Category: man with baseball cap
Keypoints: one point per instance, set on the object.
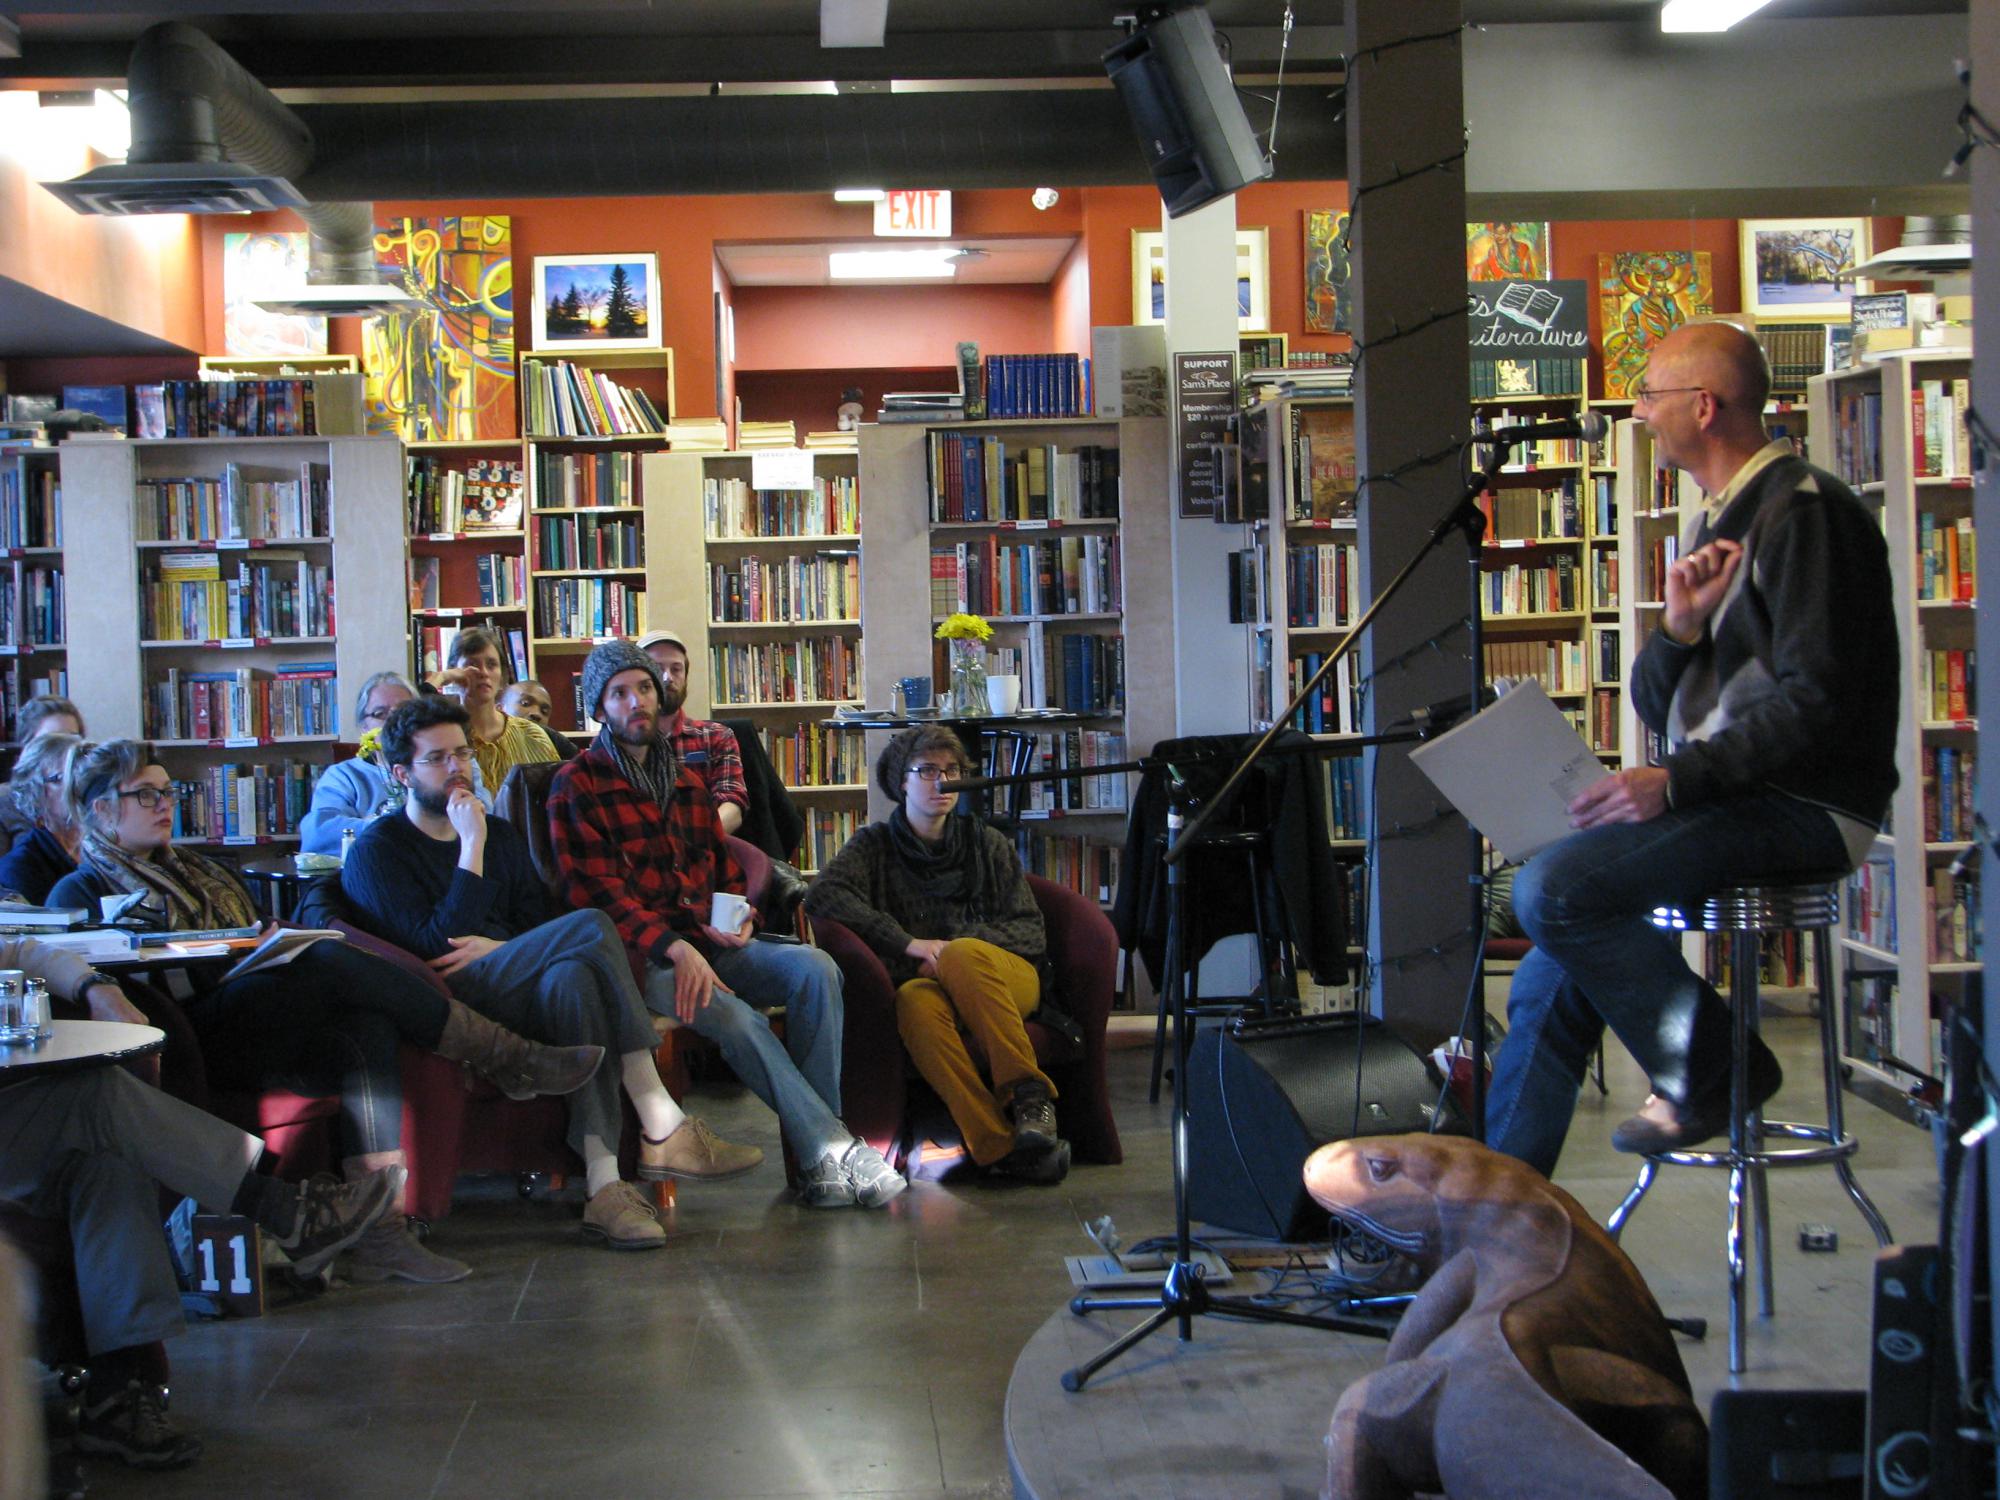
(636, 837)
(706, 748)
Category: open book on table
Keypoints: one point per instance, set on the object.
(280, 947)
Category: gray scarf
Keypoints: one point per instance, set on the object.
(654, 775)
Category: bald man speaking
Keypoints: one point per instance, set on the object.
(1773, 677)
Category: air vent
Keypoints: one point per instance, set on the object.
(351, 301)
(216, 187)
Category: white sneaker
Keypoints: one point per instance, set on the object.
(825, 1184)
(875, 1181)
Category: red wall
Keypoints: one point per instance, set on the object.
(863, 327)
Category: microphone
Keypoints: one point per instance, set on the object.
(1433, 718)
(1591, 426)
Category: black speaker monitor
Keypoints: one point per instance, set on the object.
(1198, 143)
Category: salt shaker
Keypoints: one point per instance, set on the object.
(12, 1032)
(35, 1015)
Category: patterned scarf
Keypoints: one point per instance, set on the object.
(655, 775)
(191, 889)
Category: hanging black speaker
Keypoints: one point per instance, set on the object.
(1264, 1095)
(1197, 140)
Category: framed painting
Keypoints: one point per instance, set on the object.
(1507, 252)
(446, 370)
(592, 302)
(1253, 275)
(1802, 268)
(271, 263)
(1329, 303)
(1642, 296)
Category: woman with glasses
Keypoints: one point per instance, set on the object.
(332, 1018)
(476, 675)
(354, 793)
(46, 852)
(946, 905)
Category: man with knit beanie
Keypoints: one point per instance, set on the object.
(636, 837)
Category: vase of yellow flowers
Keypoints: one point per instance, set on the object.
(966, 637)
(370, 750)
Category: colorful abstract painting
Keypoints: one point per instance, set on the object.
(1329, 303)
(270, 264)
(1642, 296)
(445, 373)
(1507, 252)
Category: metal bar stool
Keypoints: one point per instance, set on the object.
(1747, 912)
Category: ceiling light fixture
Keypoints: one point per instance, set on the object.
(885, 265)
(1044, 198)
(1706, 15)
(858, 195)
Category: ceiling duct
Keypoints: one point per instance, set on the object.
(207, 138)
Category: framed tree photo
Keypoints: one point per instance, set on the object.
(590, 302)
(1253, 274)
(1802, 268)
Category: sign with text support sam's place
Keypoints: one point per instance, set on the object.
(1204, 404)
(1530, 319)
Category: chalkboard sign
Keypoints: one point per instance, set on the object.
(1516, 319)
(1204, 403)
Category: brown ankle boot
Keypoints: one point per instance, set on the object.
(390, 1248)
(520, 1068)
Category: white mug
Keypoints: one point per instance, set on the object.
(726, 912)
(1003, 693)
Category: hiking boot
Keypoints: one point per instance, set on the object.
(519, 1068)
(695, 1152)
(333, 1214)
(825, 1184)
(619, 1217)
(1661, 1125)
(391, 1251)
(1043, 1168)
(133, 1427)
(875, 1182)
(1034, 1116)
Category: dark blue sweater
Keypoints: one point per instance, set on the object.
(406, 886)
(33, 866)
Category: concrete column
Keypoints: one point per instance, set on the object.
(1405, 112)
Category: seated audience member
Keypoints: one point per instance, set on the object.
(331, 1018)
(47, 851)
(38, 716)
(458, 889)
(475, 675)
(354, 793)
(636, 838)
(705, 747)
(944, 902)
(531, 701)
(92, 1149)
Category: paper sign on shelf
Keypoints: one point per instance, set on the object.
(781, 469)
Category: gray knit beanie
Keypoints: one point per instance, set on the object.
(605, 663)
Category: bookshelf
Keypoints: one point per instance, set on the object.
(1064, 536)
(34, 657)
(770, 607)
(1894, 430)
(464, 507)
(241, 695)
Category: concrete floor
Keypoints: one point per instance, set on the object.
(772, 1351)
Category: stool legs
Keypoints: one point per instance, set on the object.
(1836, 1121)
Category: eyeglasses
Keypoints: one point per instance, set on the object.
(933, 773)
(459, 757)
(151, 797)
(1649, 395)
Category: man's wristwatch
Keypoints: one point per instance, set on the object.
(96, 977)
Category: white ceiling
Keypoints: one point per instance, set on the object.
(1020, 261)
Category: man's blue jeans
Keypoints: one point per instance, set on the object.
(1599, 961)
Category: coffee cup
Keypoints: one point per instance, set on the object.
(916, 692)
(726, 912)
(1003, 693)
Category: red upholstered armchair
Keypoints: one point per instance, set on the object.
(878, 1084)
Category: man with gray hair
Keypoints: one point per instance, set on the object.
(354, 793)
(636, 836)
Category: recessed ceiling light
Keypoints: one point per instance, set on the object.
(882, 265)
(1706, 15)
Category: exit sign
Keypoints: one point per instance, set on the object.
(918, 211)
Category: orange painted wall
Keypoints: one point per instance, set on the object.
(858, 327)
(1070, 294)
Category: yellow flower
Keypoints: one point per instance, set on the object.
(964, 628)
(371, 743)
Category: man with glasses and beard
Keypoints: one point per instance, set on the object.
(459, 889)
(636, 836)
(706, 748)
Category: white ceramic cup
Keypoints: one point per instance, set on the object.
(726, 912)
(1003, 693)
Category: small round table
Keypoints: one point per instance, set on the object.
(74, 1045)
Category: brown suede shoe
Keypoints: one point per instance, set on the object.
(695, 1152)
(619, 1217)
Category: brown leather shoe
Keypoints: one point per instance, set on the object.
(696, 1153)
(620, 1218)
(1661, 1125)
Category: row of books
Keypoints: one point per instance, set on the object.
(817, 755)
(1325, 471)
(1871, 904)
(434, 644)
(1603, 721)
(1553, 376)
(1543, 453)
(190, 596)
(20, 683)
(1604, 505)
(572, 481)
(698, 435)
(584, 609)
(754, 435)
(731, 508)
(298, 699)
(30, 505)
(1090, 867)
(1033, 385)
(1070, 750)
(1335, 706)
(1658, 555)
(976, 477)
(227, 408)
(1950, 782)
(588, 541)
(813, 588)
(237, 507)
(1607, 649)
(1347, 816)
(1534, 515)
(827, 830)
(1947, 558)
(1557, 665)
(1795, 351)
(818, 668)
(1603, 578)
(1250, 583)
(38, 615)
(562, 399)
(1083, 672)
(1857, 436)
(1063, 575)
(1663, 494)
(1322, 584)
(1952, 907)
(1941, 447)
(1532, 588)
(1784, 961)
(1948, 683)
(447, 498)
(499, 581)
(242, 803)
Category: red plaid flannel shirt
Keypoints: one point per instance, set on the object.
(650, 869)
(710, 750)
